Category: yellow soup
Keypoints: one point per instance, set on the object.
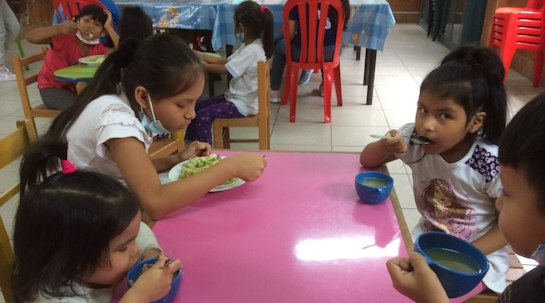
(374, 182)
(453, 260)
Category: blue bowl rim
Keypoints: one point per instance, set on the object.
(148, 261)
(482, 272)
(379, 173)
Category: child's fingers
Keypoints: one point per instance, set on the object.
(173, 266)
(160, 261)
(418, 262)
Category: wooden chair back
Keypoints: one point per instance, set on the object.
(12, 147)
(167, 146)
(262, 120)
(40, 111)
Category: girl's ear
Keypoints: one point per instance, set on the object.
(141, 96)
(476, 122)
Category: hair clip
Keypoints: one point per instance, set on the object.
(67, 167)
(263, 7)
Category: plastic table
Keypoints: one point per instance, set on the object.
(76, 73)
(297, 234)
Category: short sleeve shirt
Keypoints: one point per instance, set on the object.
(242, 65)
(330, 28)
(64, 52)
(107, 117)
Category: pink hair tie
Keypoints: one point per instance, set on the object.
(67, 167)
(263, 7)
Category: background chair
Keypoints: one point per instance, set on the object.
(312, 57)
(523, 28)
(40, 111)
(65, 9)
(262, 120)
(167, 146)
(11, 148)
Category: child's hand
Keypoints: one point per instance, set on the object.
(396, 144)
(420, 285)
(199, 54)
(247, 167)
(155, 282)
(195, 149)
(152, 253)
(108, 22)
(69, 26)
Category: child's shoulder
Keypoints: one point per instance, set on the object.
(483, 159)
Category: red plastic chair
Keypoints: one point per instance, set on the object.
(332, 70)
(72, 7)
(522, 28)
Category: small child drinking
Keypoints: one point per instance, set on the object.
(69, 41)
(254, 28)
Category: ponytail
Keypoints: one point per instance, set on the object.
(268, 32)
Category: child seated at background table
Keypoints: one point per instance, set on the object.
(279, 62)
(106, 127)
(77, 234)
(462, 112)
(254, 27)
(522, 214)
(69, 41)
(134, 23)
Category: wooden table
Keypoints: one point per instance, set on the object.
(76, 73)
(297, 234)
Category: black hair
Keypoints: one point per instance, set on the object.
(256, 25)
(64, 223)
(334, 16)
(522, 146)
(96, 13)
(473, 77)
(163, 64)
(134, 23)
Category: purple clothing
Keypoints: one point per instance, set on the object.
(206, 111)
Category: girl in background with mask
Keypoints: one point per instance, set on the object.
(69, 41)
(106, 127)
(254, 28)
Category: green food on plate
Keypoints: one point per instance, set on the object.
(96, 59)
(198, 164)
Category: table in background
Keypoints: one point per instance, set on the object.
(297, 234)
(369, 24)
(76, 73)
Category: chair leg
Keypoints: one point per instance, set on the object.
(21, 49)
(507, 52)
(218, 136)
(286, 92)
(337, 77)
(294, 77)
(538, 66)
(328, 81)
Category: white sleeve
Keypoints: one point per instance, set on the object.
(494, 187)
(118, 122)
(146, 240)
(239, 62)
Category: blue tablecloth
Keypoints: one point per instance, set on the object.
(369, 24)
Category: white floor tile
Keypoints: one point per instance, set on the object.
(412, 216)
(352, 149)
(404, 190)
(355, 135)
(363, 117)
(398, 118)
(295, 147)
(303, 134)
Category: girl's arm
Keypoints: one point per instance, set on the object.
(216, 68)
(158, 200)
(43, 35)
(490, 242)
(195, 149)
(108, 27)
(383, 151)
(211, 59)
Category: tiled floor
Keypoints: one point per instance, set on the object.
(408, 56)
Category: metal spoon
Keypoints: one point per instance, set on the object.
(417, 140)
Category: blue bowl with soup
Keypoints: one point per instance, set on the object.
(135, 272)
(373, 187)
(459, 265)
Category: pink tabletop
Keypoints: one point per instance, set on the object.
(297, 234)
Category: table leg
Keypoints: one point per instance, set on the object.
(228, 52)
(366, 69)
(358, 52)
(371, 78)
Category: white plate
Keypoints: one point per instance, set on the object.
(177, 169)
(86, 60)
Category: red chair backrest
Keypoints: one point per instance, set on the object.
(535, 4)
(72, 7)
(308, 29)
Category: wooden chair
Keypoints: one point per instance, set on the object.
(261, 120)
(11, 148)
(167, 146)
(40, 111)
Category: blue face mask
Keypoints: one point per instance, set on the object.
(155, 125)
(539, 255)
(240, 37)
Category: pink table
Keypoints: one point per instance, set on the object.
(298, 234)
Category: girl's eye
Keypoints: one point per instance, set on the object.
(124, 249)
(445, 116)
(423, 110)
(181, 106)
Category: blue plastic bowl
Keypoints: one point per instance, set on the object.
(455, 283)
(175, 286)
(370, 194)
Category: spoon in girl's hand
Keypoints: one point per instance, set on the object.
(417, 140)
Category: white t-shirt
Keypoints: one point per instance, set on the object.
(145, 240)
(458, 198)
(105, 118)
(243, 87)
